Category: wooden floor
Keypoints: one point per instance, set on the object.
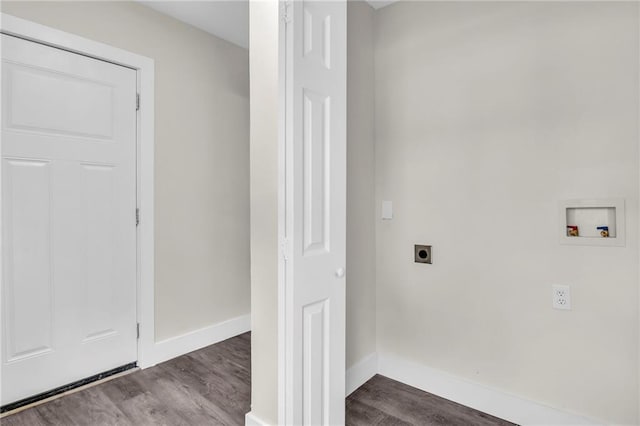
(382, 401)
(212, 387)
(207, 387)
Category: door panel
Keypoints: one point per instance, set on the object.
(28, 294)
(100, 229)
(316, 211)
(316, 137)
(58, 92)
(68, 199)
(317, 344)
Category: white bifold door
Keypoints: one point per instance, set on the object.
(315, 220)
(68, 217)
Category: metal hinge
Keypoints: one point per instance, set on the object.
(137, 216)
(284, 247)
(137, 330)
(137, 101)
(286, 12)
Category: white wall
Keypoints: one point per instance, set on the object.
(202, 152)
(361, 243)
(263, 44)
(487, 115)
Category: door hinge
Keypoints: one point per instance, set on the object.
(137, 216)
(137, 330)
(286, 12)
(284, 247)
(137, 101)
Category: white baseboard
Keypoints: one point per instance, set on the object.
(480, 397)
(499, 404)
(360, 372)
(189, 342)
(251, 420)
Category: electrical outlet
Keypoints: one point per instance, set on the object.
(561, 297)
(422, 254)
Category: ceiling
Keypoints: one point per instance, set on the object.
(227, 19)
(377, 4)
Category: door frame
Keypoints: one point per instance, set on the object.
(285, 135)
(145, 142)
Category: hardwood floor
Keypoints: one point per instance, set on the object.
(212, 387)
(382, 401)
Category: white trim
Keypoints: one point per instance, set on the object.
(283, 196)
(251, 420)
(194, 340)
(480, 397)
(145, 162)
(637, 236)
(56, 38)
(359, 373)
(286, 397)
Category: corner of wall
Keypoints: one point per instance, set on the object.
(264, 145)
(361, 372)
(361, 293)
(251, 419)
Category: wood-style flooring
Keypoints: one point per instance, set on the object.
(382, 401)
(212, 386)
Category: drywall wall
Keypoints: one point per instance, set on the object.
(264, 72)
(487, 115)
(202, 155)
(361, 308)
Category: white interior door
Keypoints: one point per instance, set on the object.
(315, 145)
(68, 217)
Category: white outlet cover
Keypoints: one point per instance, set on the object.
(561, 297)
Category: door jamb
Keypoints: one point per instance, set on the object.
(145, 68)
(285, 86)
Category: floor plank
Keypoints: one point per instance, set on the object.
(213, 386)
(27, 417)
(359, 413)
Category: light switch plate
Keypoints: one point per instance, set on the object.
(387, 210)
